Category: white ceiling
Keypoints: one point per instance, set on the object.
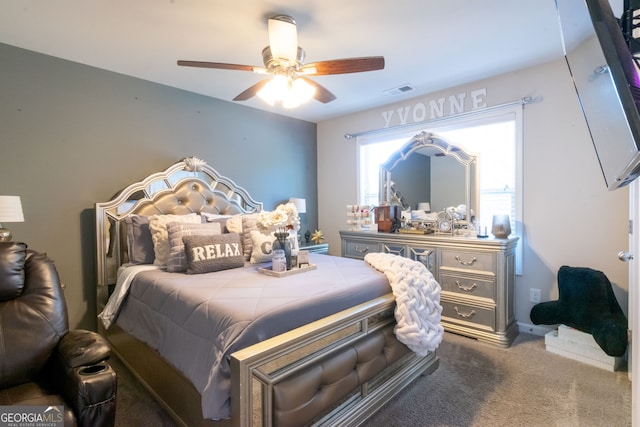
(428, 44)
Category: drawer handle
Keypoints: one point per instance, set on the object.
(464, 315)
(467, 263)
(467, 288)
(361, 250)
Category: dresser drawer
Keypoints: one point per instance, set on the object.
(390, 248)
(468, 286)
(455, 312)
(426, 256)
(358, 249)
(468, 260)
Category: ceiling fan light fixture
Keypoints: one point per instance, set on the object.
(272, 63)
(283, 38)
(302, 90)
(274, 90)
(298, 93)
(291, 92)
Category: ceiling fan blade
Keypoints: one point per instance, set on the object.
(344, 66)
(219, 65)
(252, 91)
(322, 94)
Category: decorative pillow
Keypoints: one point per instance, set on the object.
(221, 221)
(261, 246)
(160, 237)
(213, 253)
(139, 242)
(211, 217)
(176, 231)
(12, 258)
(243, 224)
(234, 224)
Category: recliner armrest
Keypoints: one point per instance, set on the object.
(83, 348)
(82, 374)
(91, 391)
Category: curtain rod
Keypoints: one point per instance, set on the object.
(523, 101)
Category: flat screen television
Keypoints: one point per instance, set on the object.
(607, 82)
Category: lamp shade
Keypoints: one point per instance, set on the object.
(301, 204)
(11, 209)
(424, 206)
(283, 38)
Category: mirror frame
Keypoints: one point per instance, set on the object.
(430, 140)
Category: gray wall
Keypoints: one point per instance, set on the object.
(73, 135)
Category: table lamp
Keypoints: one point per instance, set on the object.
(10, 211)
(424, 206)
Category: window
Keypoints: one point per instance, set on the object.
(371, 156)
(496, 137)
(496, 145)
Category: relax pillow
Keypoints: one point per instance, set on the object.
(160, 236)
(12, 259)
(206, 254)
(176, 231)
(139, 242)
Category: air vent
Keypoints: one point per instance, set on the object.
(399, 90)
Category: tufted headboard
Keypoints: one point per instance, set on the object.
(189, 186)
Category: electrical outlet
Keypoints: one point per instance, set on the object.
(534, 295)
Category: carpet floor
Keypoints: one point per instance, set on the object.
(476, 384)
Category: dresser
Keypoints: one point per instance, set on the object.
(477, 277)
(319, 248)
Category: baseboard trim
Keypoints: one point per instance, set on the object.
(529, 328)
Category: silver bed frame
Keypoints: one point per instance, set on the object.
(259, 371)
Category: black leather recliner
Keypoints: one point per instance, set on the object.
(42, 363)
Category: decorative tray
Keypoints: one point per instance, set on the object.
(269, 272)
(414, 231)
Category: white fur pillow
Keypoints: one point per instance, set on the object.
(234, 224)
(160, 236)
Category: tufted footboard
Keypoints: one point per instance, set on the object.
(338, 370)
(299, 399)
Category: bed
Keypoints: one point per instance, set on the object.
(316, 348)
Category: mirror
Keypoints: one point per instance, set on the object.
(429, 169)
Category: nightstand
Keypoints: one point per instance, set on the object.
(322, 248)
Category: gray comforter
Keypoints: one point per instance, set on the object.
(197, 321)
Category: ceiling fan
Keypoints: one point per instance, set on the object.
(284, 60)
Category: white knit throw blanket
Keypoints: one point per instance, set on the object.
(417, 295)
